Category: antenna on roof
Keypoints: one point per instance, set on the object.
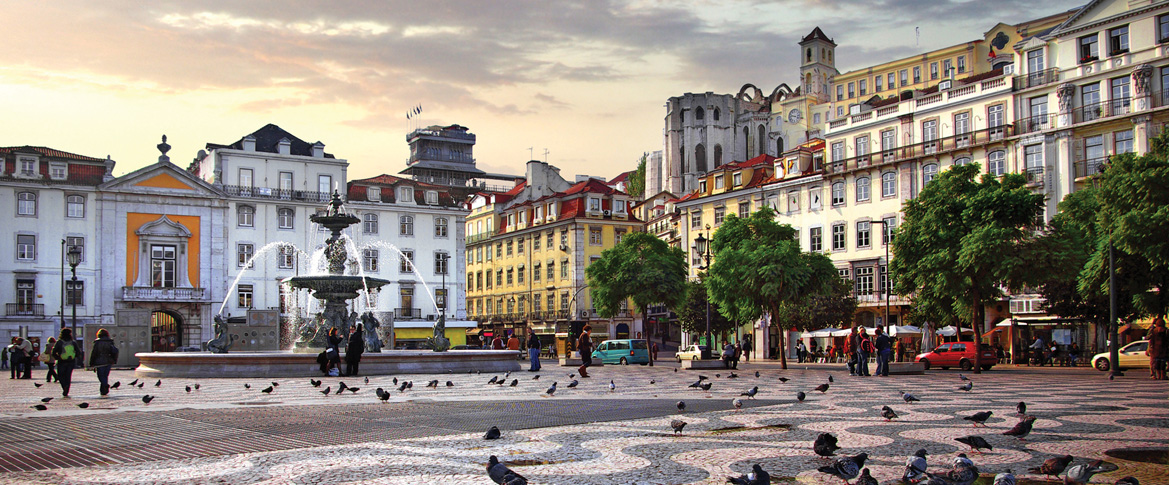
(530, 155)
(546, 155)
(916, 36)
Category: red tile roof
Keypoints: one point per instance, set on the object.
(621, 178)
(50, 152)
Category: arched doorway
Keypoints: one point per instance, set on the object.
(165, 331)
(623, 330)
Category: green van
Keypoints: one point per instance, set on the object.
(623, 351)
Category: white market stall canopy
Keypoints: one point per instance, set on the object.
(897, 330)
(950, 331)
(826, 332)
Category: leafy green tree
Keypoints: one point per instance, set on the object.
(835, 308)
(758, 268)
(962, 240)
(635, 184)
(692, 313)
(642, 268)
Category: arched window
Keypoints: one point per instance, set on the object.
(838, 193)
(406, 225)
(746, 142)
(285, 217)
(369, 224)
(718, 156)
(863, 187)
(717, 114)
(246, 216)
(888, 184)
(958, 162)
(762, 139)
(700, 158)
(699, 114)
(26, 204)
(778, 146)
(809, 54)
(75, 206)
(996, 162)
(928, 172)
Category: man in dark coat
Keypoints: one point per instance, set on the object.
(354, 350)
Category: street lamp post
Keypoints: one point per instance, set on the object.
(1113, 332)
(887, 238)
(702, 245)
(74, 257)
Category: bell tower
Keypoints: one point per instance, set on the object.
(817, 65)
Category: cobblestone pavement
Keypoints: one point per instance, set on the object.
(224, 433)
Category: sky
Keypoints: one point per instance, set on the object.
(586, 81)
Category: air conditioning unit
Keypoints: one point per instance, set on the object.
(584, 314)
(608, 213)
(430, 318)
(564, 247)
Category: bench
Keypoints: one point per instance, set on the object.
(703, 364)
(906, 368)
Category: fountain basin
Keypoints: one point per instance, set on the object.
(335, 287)
(157, 365)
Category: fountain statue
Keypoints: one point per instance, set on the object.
(222, 340)
(373, 342)
(439, 342)
(336, 288)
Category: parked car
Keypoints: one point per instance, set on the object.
(622, 351)
(957, 354)
(1131, 356)
(693, 352)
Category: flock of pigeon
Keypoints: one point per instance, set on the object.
(115, 386)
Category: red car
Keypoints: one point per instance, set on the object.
(957, 354)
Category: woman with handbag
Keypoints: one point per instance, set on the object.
(47, 358)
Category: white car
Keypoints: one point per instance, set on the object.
(1132, 356)
(693, 352)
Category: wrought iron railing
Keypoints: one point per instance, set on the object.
(275, 194)
(150, 293)
(24, 309)
(1034, 79)
(1034, 175)
(404, 313)
(1091, 166)
(1034, 123)
(961, 141)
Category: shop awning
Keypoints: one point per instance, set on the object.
(1044, 320)
(904, 331)
(950, 331)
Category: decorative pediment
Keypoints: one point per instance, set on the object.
(1094, 12)
(162, 178)
(163, 227)
(1029, 43)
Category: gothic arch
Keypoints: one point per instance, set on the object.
(700, 158)
(718, 155)
(780, 92)
(761, 138)
(756, 95)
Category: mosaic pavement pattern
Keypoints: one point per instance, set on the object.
(224, 433)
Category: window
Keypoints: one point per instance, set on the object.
(887, 229)
(737, 180)
(245, 177)
(1033, 158)
(877, 83)
(947, 67)
(928, 172)
(595, 236)
(1090, 101)
(244, 296)
(28, 166)
(933, 70)
(1118, 40)
(244, 253)
(888, 184)
(961, 64)
(285, 182)
(520, 245)
(369, 260)
(696, 220)
(996, 163)
(58, 171)
(564, 300)
(26, 247)
(863, 187)
(1122, 141)
(287, 257)
(564, 269)
(74, 293)
(744, 209)
(369, 226)
(551, 270)
(406, 261)
(816, 239)
(440, 262)
(838, 239)
(962, 123)
(929, 133)
(1034, 61)
(864, 280)
(863, 236)
(324, 184)
(246, 216)
(862, 148)
(851, 90)
(594, 204)
(816, 118)
(1120, 94)
(837, 194)
(405, 194)
(498, 250)
(551, 242)
(510, 246)
(432, 197)
(839, 92)
(1089, 51)
(838, 151)
(619, 206)
(75, 206)
(960, 161)
(814, 198)
(916, 74)
(406, 225)
(720, 215)
(520, 274)
(441, 227)
(843, 272)
(793, 201)
(892, 85)
(618, 235)
(1163, 29)
(26, 204)
(536, 271)
(1037, 107)
(888, 141)
(863, 86)
(373, 193)
(994, 121)
(162, 266)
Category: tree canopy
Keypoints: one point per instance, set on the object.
(635, 185)
(692, 313)
(832, 309)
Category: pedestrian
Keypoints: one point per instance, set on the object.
(1158, 350)
(4, 358)
(102, 357)
(884, 346)
(865, 348)
(801, 351)
(497, 343)
(25, 359)
(654, 349)
(47, 358)
(333, 350)
(584, 344)
(14, 357)
(354, 349)
(513, 343)
(850, 350)
(747, 348)
(1036, 349)
(735, 357)
(65, 352)
(728, 355)
(533, 350)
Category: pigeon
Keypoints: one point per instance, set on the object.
(784, 379)
(395, 381)
(501, 474)
(830, 378)
(385, 396)
(571, 375)
(327, 390)
(1081, 474)
(1053, 466)
(450, 384)
(677, 424)
(37, 385)
(960, 376)
(502, 382)
(756, 477)
(402, 388)
(492, 434)
(46, 399)
(1128, 481)
(822, 388)
(706, 386)
(367, 380)
(140, 384)
(697, 383)
(756, 374)
(967, 387)
(718, 375)
(846, 468)
(573, 384)
(732, 376)
(908, 397)
(514, 382)
(703, 378)
(196, 386)
(246, 386)
(866, 478)
(652, 382)
(119, 384)
(979, 418)
(612, 386)
(147, 398)
(825, 445)
(1022, 428)
(409, 384)
(675, 370)
(1005, 478)
(83, 405)
(962, 475)
(976, 443)
(433, 383)
(888, 413)
(751, 392)
(353, 390)
(915, 467)
(962, 460)
(551, 390)
(800, 396)
(1021, 408)
(39, 407)
(536, 377)
(379, 392)
(267, 390)
(738, 403)
(314, 383)
(188, 388)
(133, 383)
(158, 384)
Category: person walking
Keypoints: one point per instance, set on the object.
(1158, 350)
(1037, 348)
(4, 358)
(333, 350)
(584, 345)
(14, 357)
(50, 362)
(801, 351)
(735, 357)
(728, 355)
(884, 347)
(65, 352)
(864, 350)
(354, 349)
(533, 350)
(747, 348)
(25, 359)
(102, 358)
(850, 349)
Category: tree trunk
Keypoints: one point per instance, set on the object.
(975, 322)
(782, 338)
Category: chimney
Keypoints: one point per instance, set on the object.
(284, 146)
(249, 143)
(318, 150)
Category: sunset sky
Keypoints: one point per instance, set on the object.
(585, 80)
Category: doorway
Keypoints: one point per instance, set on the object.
(165, 331)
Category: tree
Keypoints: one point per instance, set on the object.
(635, 184)
(758, 268)
(835, 308)
(962, 240)
(642, 268)
(692, 313)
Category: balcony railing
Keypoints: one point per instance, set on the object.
(962, 141)
(1104, 109)
(408, 313)
(1034, 79)
(1160, 99)
(275, 194)
(1034, 175)
(1091, 166)
(149, 293)
(24, 309)
(1034, 123)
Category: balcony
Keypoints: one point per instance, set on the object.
(1034, 175)
(1035, 79)
(148, 293)
(408, 313)
(1034, 124)
(1089, 167)
(275, 194)
(964, 141)
(1104, 109)
(24, 309)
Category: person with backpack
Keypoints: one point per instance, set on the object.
(65, 352)
(865, 348)
(102, 358)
